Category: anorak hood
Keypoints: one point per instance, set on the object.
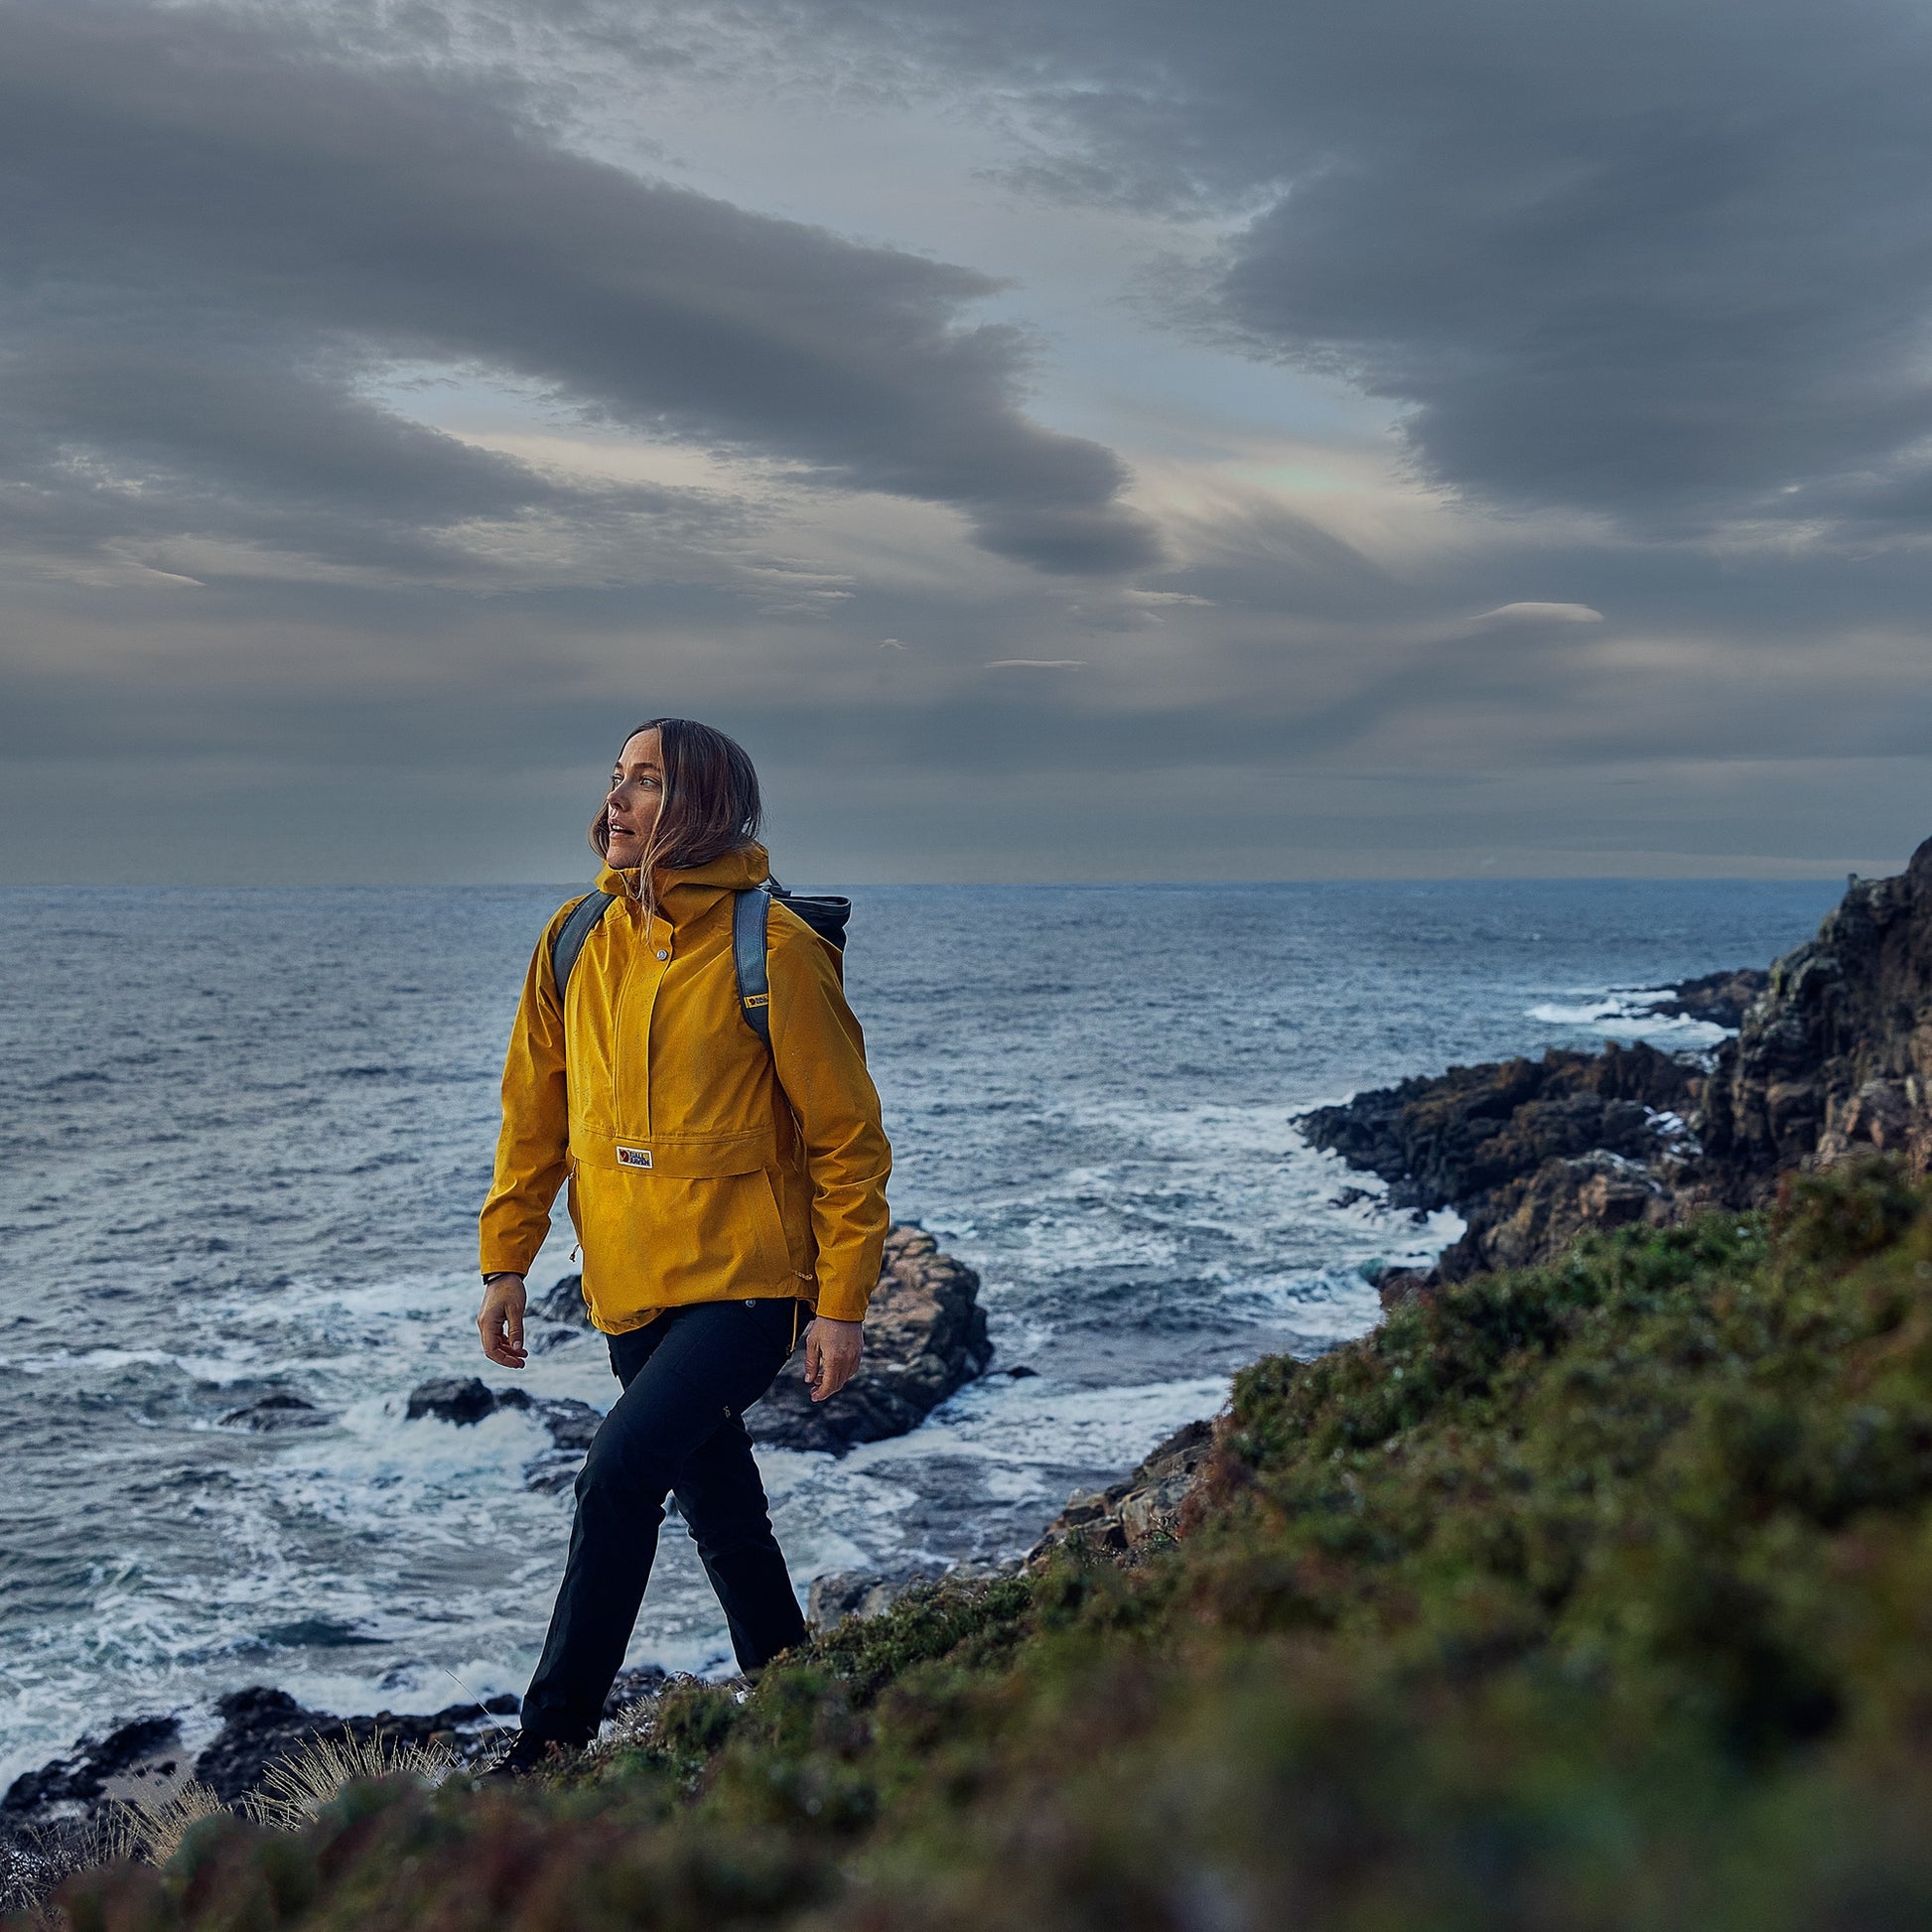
(685, 895)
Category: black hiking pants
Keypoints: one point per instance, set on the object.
(676, 1430)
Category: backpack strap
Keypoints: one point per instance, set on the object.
(750, 912)
(751, 924)
(570, 935)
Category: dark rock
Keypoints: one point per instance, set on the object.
(258, 1726)
(278, 1411)
(1835, 1057)
(1143, 1506)
(1535, 1218)
(81, 1780)
(261, 1724)
(632, 1686)
(1394, 1286)
(571, 1424)
(1019, 1372)
(1446, 1140)
(564, 1302)
(1720, 998)
(461, 1399)
(925, 1336)
(865, 1593)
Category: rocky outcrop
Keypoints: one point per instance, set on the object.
(1141, 1508)
(925, 1336)
(258, 1726)
(147, 1751)
(1530, 1153)
(867, 1592)
(1834, 1056)
(1123, 1521)
(466, 1400)
(1534, 1216)
(1448, 1141)
(1720, 998)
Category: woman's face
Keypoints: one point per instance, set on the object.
(630, 805)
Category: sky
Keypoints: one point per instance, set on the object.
(1061, 439)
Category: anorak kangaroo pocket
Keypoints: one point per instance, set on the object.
(666, 1222)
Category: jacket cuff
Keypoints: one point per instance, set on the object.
(503, 1260)
(842, 1304)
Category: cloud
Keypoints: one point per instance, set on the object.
(1034, 664)
(1659, 263)
(1532, 613)
(219, 239)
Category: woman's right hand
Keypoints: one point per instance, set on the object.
(500, 1320)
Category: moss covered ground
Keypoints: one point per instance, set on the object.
(1594, 1596)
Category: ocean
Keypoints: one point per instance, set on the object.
(244, 1136)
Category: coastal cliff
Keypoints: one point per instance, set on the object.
(1834, 1056)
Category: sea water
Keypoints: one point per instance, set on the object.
(244, 1136)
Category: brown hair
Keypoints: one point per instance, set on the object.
(711, 804)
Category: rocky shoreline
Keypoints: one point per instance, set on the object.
(1831, 1059)
(925, 1339)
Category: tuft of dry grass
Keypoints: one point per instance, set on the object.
(294, 1789)
(153, 1828)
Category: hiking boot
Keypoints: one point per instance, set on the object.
(528, 1757)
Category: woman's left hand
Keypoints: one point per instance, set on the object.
(832, 1351)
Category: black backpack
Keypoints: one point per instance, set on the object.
(751, 909)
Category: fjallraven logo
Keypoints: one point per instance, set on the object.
(758, 998)
(633, 1157)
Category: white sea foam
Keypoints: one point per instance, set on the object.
(1630, 1014)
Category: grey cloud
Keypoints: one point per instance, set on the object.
(1665, 262)
(216, 239)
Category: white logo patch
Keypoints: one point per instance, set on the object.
(633, 1157)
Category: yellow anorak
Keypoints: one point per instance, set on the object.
(701, 1166)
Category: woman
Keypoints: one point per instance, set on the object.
(715, 1184)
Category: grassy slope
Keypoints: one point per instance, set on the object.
(1592, 1596)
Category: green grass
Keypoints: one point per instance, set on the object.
(1594, 1595)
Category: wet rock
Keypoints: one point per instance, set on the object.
(261, 1724)
(258, 1726)
(564, 1302)
(1831, 1059)
(467, 1400)
(1720, 998)
(461, 1399)
(1530, 1153)
(925, 1336)
(78, 1783)
(571, 1424)
(1139, 1509)
(1447, 1140)
(280, 1409)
